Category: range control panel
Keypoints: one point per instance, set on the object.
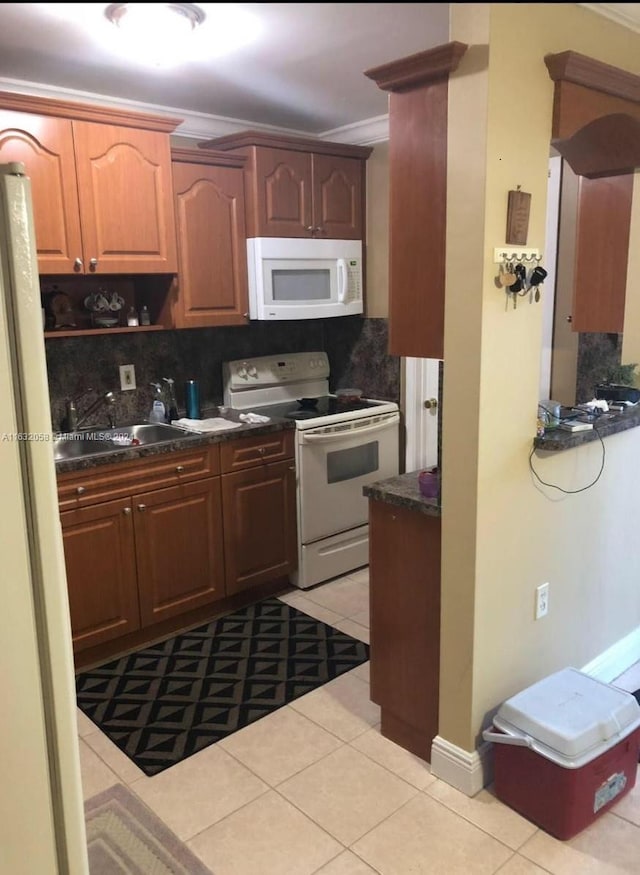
(275, 370)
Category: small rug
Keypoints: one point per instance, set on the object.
(125, 838)
(170, 700)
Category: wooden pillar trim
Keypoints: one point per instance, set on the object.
(418, 69)
(582, 70)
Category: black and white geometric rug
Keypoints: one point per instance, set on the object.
(167, 701)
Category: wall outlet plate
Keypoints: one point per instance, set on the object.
(542, 601)
(127, 378)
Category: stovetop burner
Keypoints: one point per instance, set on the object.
(303, 413)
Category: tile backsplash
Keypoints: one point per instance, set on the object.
(357, 350)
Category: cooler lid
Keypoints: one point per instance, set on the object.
(570, 717)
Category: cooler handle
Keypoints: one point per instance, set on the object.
(501, 738)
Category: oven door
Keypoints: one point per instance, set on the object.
(334, 462)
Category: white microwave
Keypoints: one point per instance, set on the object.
(299, 278)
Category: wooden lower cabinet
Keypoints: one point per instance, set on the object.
(137, 561)
(99, 549)
(179, 552)
(260, 524)
(404, 575)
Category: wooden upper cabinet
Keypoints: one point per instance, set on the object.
(45, 146)
(211, 287)
(101, 185)
(418, 197)
(280, 201)
(596, 129)
(602, 251)
(125, 197)
(338, 197)
(298, 187)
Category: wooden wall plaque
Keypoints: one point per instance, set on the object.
(518, 217)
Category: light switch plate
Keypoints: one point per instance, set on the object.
(127, 377)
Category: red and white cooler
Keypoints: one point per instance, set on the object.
(566, 749)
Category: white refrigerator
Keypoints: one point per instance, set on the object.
(41, 810)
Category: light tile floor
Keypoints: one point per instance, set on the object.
(315, 788)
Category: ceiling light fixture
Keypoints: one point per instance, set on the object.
(157, 33)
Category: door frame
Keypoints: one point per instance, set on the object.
(421, 379)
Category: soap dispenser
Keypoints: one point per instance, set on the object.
(171, 403)
(158, 412)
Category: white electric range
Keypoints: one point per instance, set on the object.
(339, 448)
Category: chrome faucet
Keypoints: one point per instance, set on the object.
(73, 421)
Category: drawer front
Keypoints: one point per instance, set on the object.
(82, 488)
(248, 452)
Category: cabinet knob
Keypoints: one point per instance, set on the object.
(569, 318)
(245, 315)
(93, 264)
(142, 507)
(310, 228)
(262, 451)
(179, 469)
(77, 265)
(80, 490)
(126, 510)
(431, 403)
(292, 467)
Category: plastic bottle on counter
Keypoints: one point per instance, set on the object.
(158, 411)
(171, 403)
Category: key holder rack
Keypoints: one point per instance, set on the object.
(520, 273)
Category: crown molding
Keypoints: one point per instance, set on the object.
(613, 12)
(364, 133)
(199, 125)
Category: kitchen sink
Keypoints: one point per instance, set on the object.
(94, 442)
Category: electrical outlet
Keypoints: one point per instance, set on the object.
(542, 600)
(127, 377)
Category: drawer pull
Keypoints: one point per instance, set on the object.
(142, 507)
(126, 510)
(179, 469)
(80, 490)
(262, 450)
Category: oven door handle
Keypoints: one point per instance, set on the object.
(341, 435)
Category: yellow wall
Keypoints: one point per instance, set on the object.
(503, 533)
(377, 299)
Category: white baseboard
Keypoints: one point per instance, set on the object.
(467, 771)
(616, 660)
(470, 771)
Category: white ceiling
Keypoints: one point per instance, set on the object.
(304, 72)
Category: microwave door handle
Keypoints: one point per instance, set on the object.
(343, 279)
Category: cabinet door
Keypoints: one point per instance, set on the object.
(602, 250)
(259, 507)
(404, 548)
(178, 549)
(212, 255)
(45, 146)
(338, 190)
(126, 202)
(283, 193)
(101, 572)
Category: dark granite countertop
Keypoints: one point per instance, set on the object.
(403, 491)
(188, 442)
(604, 425)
